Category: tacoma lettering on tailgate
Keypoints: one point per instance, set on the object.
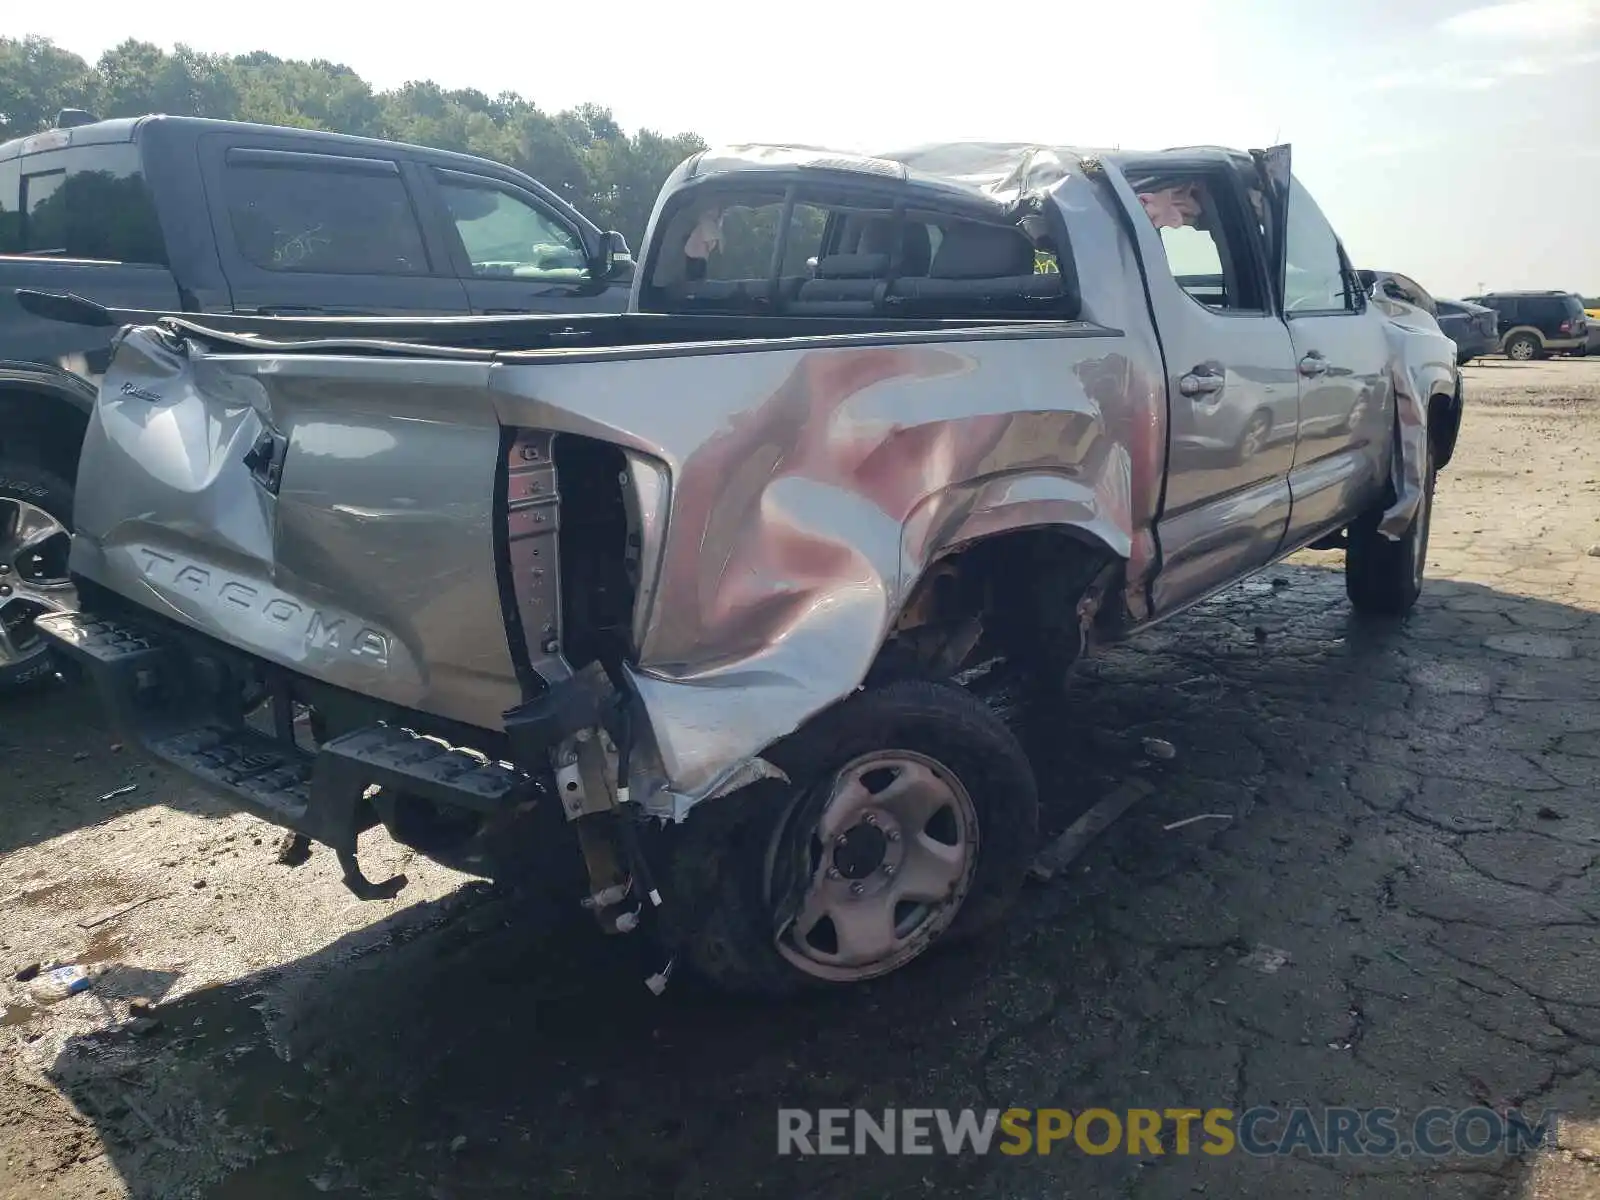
(320, 630)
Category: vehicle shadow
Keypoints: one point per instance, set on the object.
(64, 769)
(1367, 802)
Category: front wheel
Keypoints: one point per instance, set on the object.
(1384, 578)
(910, 821)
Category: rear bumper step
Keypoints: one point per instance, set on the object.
(156, 698)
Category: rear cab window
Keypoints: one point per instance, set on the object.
(808, 249)
(301, 212)
(80, 202)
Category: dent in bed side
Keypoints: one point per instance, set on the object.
(802, 517)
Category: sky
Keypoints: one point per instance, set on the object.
(1455, 142)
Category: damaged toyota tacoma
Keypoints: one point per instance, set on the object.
(668, 608)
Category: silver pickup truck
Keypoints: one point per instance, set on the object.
(666, 607)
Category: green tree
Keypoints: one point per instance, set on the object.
(583, 154)
(37, 80)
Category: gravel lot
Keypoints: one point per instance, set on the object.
(1410, 827)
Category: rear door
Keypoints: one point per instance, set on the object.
(307, 233)
(1233, 404)
(1506, 306)
(514, 252)
(1341, 359)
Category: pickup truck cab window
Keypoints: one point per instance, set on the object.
(330, 219)
(1316, 279)
(1208, 242)
(82, 202)
(737, 241)
(850, 250)
(507, 235)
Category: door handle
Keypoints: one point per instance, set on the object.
(1313, 364)
(1196, 383)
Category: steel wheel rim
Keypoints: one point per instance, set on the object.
(33, 577)
(892, 852)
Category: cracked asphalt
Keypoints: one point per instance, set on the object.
(1391, 899)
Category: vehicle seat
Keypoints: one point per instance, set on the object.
(916, 248)
(856, 284)
(979, 266)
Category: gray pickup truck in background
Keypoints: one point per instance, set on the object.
(669, 607)
(188, 215)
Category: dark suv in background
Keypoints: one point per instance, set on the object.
(1538, 324)
(1474, 328)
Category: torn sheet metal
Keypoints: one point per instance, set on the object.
(1416, 372)
(810, 490)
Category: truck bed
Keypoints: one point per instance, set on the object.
(493, 336)
(451, 516)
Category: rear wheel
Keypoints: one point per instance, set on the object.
(1384, 578)
(910, 821)
(35, 520)
(1523, 347)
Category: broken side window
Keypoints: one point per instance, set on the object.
(1206, 238)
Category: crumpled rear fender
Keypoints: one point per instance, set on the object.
(810, 489)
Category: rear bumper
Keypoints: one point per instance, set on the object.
(181, 708)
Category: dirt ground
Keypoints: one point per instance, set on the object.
(1392, 900)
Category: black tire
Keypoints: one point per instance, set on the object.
(34, 485)
(720, 863)
(1384, 578)
(1524, 347)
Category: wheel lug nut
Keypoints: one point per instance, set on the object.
(888, 868)
(857, 888)
(841, 841)
(892, 834)
(833, 872)
(869, 819)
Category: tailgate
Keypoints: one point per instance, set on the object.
(302, 512)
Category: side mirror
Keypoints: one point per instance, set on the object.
(616, 259)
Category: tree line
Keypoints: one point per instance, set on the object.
(610, 175)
